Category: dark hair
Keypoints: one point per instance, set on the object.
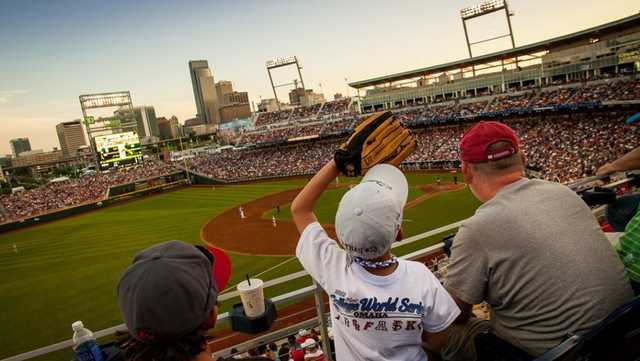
(262, 349)
(273, 346)
(284, 352)
(186, 348)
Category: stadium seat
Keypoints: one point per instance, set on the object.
(617, 337)
(490, 347)
(568, 350)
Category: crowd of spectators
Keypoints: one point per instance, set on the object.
(526, 99)
(306, 345)
(234, 165)
(268, 118)
(471, 108)
(509, 101)
(72, 192)
(336, 106)
(548, 98)
(341, 125)
(305, 112)
(562, 148)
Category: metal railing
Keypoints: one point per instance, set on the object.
(278, 300)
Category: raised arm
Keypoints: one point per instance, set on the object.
(628, 161)
(302, 206)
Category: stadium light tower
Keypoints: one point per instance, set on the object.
(485, 8)
(281, 62)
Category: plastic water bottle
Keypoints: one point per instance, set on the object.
(85, 345)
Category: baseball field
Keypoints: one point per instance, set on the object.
(67, 270)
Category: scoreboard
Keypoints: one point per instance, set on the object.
(118, 149)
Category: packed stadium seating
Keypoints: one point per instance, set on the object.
(73, 192)
(563, 148)
(266, 162)
(336, 107)
(527, 100)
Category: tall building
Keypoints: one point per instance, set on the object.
(19, 145)
(295, 94)
(310, 98)
(268, 105)
(232, 104)
(204, 91)
(223, 87)
(169, 128)
(71, 137)
(146, 122)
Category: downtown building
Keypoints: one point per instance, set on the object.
(233, 104)
(204, 92)
(71, 137)
(19, 145)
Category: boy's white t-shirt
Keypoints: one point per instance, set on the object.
(375, 317)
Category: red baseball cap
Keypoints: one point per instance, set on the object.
(476, 141)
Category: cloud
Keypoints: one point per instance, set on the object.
(6, 95)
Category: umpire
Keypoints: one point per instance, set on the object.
(533, 251)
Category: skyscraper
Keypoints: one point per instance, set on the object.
(146, 122)
(19, 145)
(204, 91)
(71, 137)
(223, 87)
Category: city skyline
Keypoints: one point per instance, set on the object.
(58, 50)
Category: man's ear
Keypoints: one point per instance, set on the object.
(211, 320)
(399, 236)
(466, 172)
(524, 158)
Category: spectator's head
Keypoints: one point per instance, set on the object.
(309, 345)
(369, 215)
(283, 352)
(273, 347)
(491, 158)
(168, 298)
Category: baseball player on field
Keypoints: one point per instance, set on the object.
(382, 308)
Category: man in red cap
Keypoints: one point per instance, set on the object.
(533, 251)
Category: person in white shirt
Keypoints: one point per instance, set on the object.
(311, 350)
(382, 308)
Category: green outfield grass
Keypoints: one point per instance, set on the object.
(67, 270)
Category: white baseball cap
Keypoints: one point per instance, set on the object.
(369, 215)
(308, 343)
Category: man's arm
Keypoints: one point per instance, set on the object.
(466, 310)
(434, 341)
(302, 206)
(628, 161)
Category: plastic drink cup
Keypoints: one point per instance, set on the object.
(252, 296)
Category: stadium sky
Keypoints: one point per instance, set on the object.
(53, 51)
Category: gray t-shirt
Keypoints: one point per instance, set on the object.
(535, 253)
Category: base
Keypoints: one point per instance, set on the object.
(241, 323)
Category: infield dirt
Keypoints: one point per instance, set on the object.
(255, 235)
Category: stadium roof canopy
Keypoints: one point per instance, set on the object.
(599, 30)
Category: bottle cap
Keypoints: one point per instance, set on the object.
(77, 326)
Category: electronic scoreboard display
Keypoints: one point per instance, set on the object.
(118, 149)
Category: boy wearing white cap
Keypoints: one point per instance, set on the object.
(382, 308)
